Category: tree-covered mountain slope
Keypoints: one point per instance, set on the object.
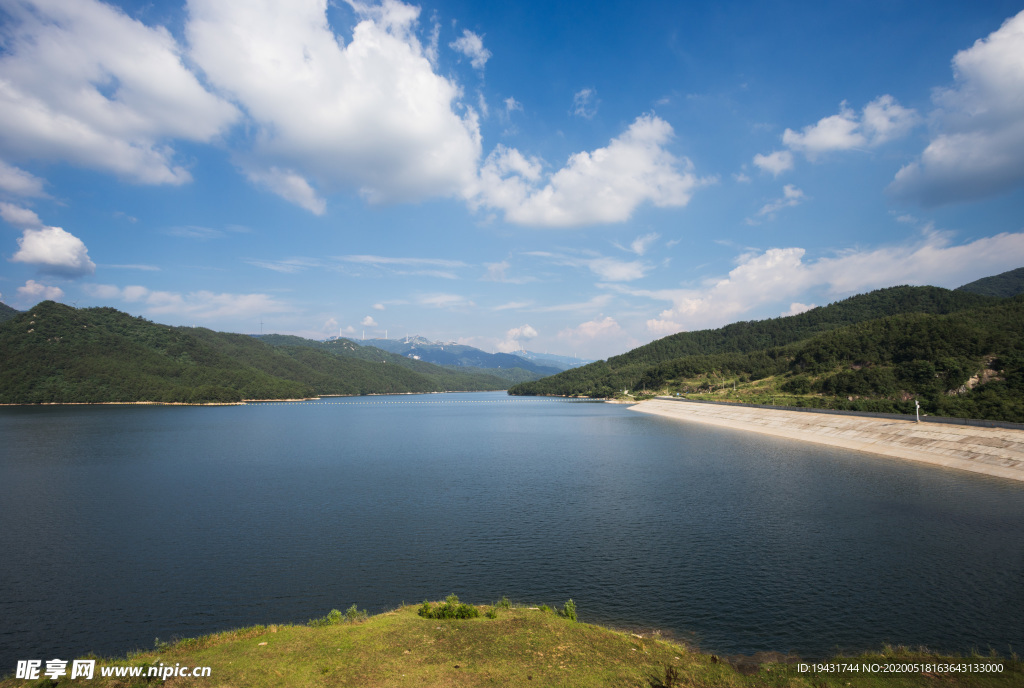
(604, 378)
(6, 312)
(1003, 285)
(954, 359)
(968, 364)
(57, 354)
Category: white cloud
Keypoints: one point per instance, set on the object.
(612, 270)
(370, 114)
(791, 197)
(598, 336)
(138, 266)
(584, 103)
(516, 338)
(607, 269)
(390, 260)
(472, 46)
(498, 272)
(35, 290)
(288, 265)
(195, 232)
(104, 291)
(513, 305)
(22, 218)
(378, 307)
(602, 186)
(431, 50)
(932, 260)
(598, 302)
(781, 274)
(977, 149)
(592, 329)
(17, 181)
(776, 163)
(202, 304)
(881, 120)
(641, 244)
(524, 332)
(511, 105)
(884, 120)
(53, 250)
(425, 267)
(837, 132)
(663, 328)
(84, 83)
(444, 301)
(368, 321)
(290, 186)
(796, 308)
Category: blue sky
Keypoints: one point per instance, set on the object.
(566, 177)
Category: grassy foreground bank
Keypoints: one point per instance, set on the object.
(517, 647)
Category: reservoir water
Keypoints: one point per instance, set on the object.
(122, 524)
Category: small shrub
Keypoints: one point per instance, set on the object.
(335, 617)
(451, 609)
(503, 603)
(492, 613)
(544, 609)
(354, 614)
(569, 610)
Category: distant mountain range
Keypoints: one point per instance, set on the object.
(54, 353)
(553, 360)
(460, 355)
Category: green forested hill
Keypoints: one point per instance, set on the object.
(6, 312)
(604, 378)
(1003, 285)
(55, 353)
(956, 355)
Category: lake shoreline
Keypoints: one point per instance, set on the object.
(997, 452)
(243, 402)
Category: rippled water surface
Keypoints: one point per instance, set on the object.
(123, 524)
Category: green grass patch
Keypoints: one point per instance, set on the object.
(521, 647)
